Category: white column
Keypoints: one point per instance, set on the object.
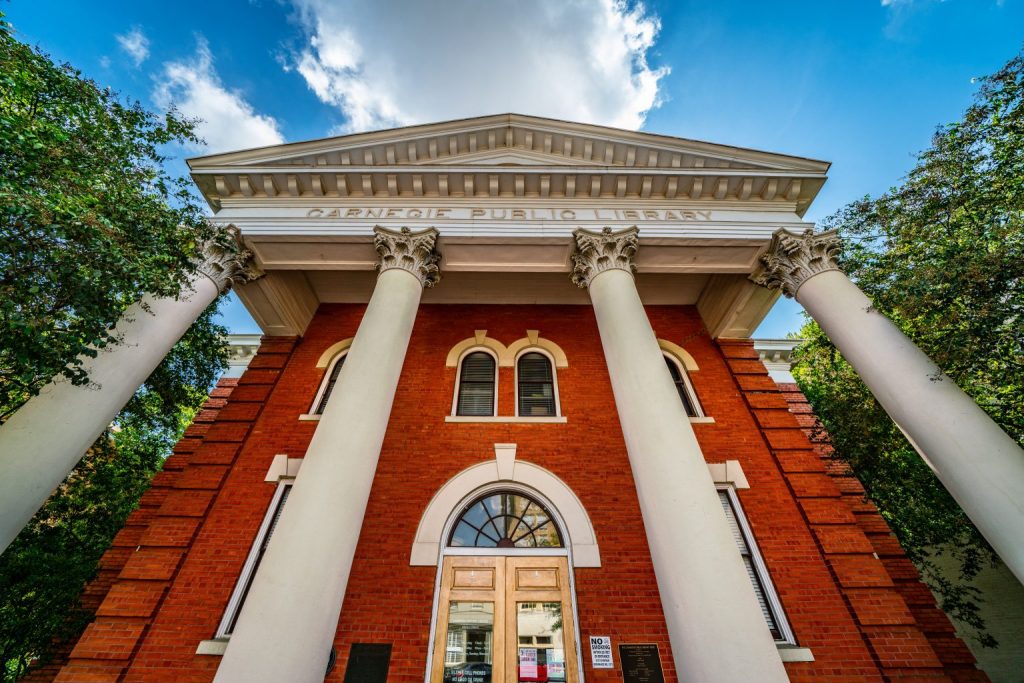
(44, 440)
(980, 465)
(715, 625)
(287, 625)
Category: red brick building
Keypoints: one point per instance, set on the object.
(467, 467)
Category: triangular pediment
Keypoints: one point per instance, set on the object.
(510, 155)
(509, 139)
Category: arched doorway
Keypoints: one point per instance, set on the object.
(505, 608)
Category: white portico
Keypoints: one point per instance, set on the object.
(510, 198)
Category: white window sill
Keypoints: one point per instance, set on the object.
(559, 419)
(702, 420)
(309, 417)
(792, 653)
(215, 647)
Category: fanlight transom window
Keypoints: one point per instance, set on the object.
(505, 520)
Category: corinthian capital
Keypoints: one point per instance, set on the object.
(794, 258)
(597, 252)
(413, 252)
(226, 262)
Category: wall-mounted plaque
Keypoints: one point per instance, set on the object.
(368, 663)
(640, 663)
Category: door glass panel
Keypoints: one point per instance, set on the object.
(540, 649)
(469, 644)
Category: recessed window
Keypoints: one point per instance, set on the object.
(477, 381)
(685, 389)
(535, 386)
(252, 562)
(505, 520)
(327, 387)
(767, 598)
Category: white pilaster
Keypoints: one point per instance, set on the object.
(44, 440)
(980, 465)
(716, 628)
(287, 624)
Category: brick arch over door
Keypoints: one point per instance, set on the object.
(575, 522)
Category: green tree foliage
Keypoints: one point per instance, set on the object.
(943, 256)
(89, 222)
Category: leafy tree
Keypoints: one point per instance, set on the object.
(943, 256)
(89, 222)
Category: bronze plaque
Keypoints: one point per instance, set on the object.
(368, 663)
(640, 663)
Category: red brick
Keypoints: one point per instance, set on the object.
(826, 511)
(109, 639)
(840, 539)
(755, 382)
(238, 411)
(859, 571)
(132, 599)
(170, 532)
(152, 563)
(186, 504)
(879, 607)
(201, 477)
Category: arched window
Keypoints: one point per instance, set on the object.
(685, 389)
(535, 386)
(475, 392)
(505, 519)
(327, 387)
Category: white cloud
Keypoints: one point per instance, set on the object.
(136, 44)
(409, 61)
(228, 122)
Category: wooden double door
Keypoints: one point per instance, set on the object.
(505, 619)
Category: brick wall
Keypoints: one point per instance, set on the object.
(839, 598)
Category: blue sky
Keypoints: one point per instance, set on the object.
(861, 83)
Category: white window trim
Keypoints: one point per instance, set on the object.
(788, 640)
(554, 383)
(245, 576)
(312, 414)
(700, 417)
(458, 383)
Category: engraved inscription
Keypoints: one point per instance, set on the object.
(477, 213)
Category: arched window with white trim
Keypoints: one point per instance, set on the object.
(476, 387)
(505, 519)
(536, 385)
(682, 381)
(328, 383)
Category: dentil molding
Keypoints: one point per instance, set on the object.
(794, 258)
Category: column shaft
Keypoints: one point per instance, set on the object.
(287, 625)
(44, 440)
(716, 628)
(980, 465)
